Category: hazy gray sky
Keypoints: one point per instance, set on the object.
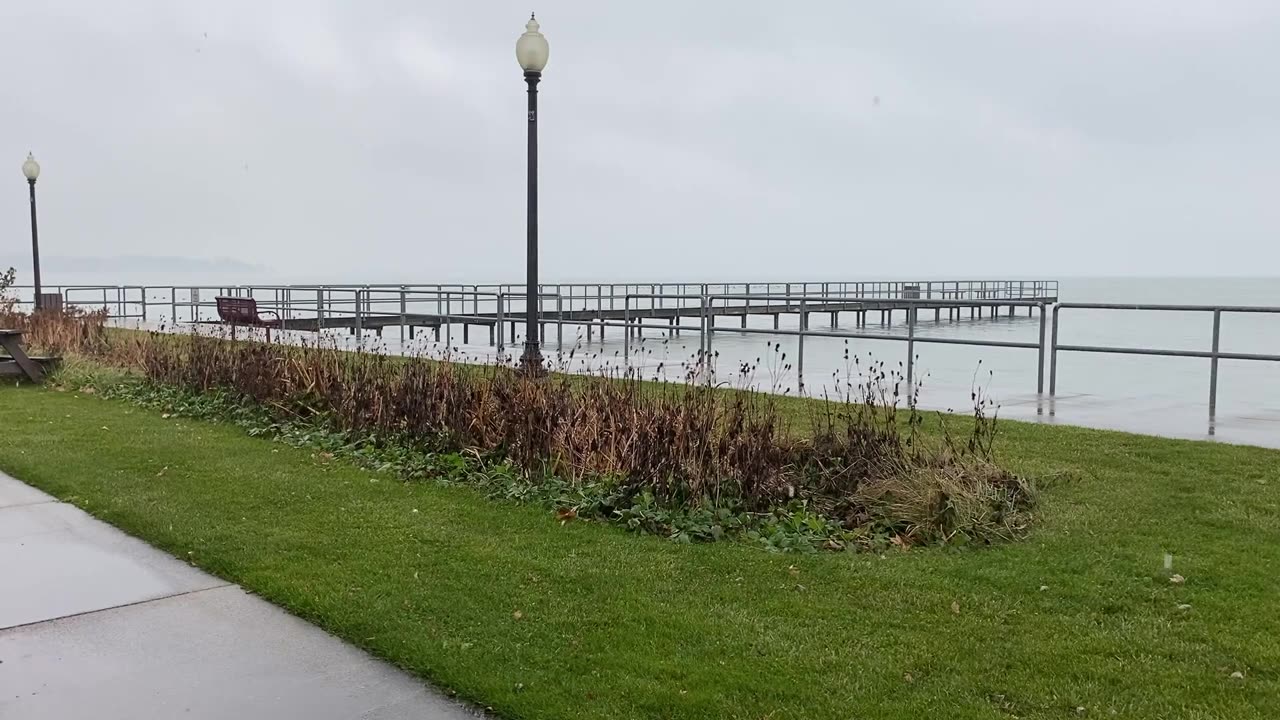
(383, 140)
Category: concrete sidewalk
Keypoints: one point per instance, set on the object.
(96, 624)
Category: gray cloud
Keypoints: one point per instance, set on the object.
(384, 141)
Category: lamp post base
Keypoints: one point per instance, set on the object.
(531, 361)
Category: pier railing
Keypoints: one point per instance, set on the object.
(149, 302)
(1213, 354)
(806, 305)
(663, 307)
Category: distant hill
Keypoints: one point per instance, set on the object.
(131, 263)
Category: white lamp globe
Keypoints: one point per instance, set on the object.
(532, 50)
(31, 168)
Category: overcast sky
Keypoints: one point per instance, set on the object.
(383, 140)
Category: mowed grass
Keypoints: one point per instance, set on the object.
(507, 607)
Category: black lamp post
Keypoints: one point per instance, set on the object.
(31, 169)
(532, 52)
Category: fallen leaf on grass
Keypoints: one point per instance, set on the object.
(955, 607)
(517, 615)
(1177, 579)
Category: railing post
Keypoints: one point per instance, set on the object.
(560, 320)
(1213, 365)
(804, 325)
(359, 319)
(911, 351)
(1040, 364)
(702, 325)
(1053, 353)
(403, 312)
(626, 330)
(498, 319)
(709, 310)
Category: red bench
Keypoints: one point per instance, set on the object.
(236, 311)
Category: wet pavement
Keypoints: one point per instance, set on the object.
(94, 623)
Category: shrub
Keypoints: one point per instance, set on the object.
(656, 456)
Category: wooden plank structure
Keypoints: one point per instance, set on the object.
(18, 363)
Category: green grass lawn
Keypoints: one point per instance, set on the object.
(507, 607)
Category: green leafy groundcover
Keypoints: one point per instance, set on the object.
(792, 528)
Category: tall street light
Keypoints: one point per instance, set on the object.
(532, 52)
(31, 169)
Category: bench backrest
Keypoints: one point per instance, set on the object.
(238, 310)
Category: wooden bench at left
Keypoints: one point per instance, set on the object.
(18, 363)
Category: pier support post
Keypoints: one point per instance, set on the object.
(744, 319)
(466, 334)
(775, 321)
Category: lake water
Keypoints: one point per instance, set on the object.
(1155, 395)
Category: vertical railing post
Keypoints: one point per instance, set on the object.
(359, 318)
(702, 325)
(804, 325)
(1040, 364)
(403, 312)
(1213, 365)
(1053, 353)
(911, 352)
(709, 309)
(626, 329)
(498, 320)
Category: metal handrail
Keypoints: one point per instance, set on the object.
(707, 329)
(1214, 354)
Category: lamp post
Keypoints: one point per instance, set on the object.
(532, 52)
(31, 169)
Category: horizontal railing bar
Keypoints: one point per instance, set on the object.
(1171, 308)
(1206, 354)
